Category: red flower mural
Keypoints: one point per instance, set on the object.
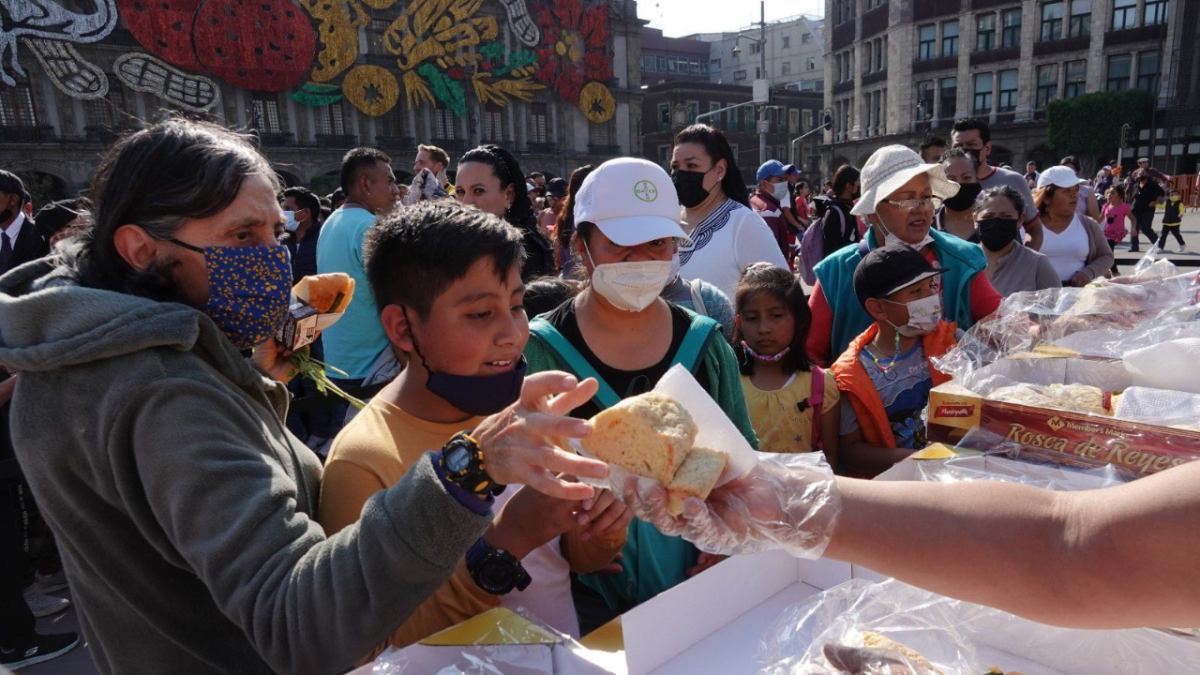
(574, 42)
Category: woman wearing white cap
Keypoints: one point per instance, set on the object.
(619, 331)
(1074, 243)
(898, 192)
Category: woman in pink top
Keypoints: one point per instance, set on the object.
(1116, 212)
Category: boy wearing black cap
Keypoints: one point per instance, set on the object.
(885, 375)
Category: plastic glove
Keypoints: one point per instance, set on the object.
(781, 503)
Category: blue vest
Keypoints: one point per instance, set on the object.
(961, 259)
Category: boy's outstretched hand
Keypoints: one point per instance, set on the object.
(772, 506)
(518, 442)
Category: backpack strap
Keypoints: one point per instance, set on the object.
(605, 397)
(697, 298)
(692, 348)
(816, 401)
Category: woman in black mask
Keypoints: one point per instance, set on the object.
(956, 215)
(726, 235)
(1012, 267)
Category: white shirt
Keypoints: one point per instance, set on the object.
(14, 230)
(731, 238)
(549, 595)
(1067, 251)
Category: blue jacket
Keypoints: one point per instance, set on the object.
(962, 260)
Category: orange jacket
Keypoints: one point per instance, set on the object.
(855, 384)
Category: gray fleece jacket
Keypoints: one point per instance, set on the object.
(183, 507)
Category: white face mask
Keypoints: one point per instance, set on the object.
(292, 224)
(780, 191)
(676, 267)
(889, 239)
(630, 286)
(923, 316)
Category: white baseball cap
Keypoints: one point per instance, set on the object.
(889, 168)
(631, 200)
(1060, 176)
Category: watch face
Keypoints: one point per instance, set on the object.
(496, 576)
(458, 459)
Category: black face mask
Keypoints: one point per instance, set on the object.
(690, 186)
(965, 199)
(996, 233)
(476, 395)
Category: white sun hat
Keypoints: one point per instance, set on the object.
(889, 169)
(1060, 176)
(631, 200)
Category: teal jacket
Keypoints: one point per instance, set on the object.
(652, 561)
(962, 261)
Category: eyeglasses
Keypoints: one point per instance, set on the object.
(911, 204)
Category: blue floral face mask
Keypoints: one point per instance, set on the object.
(248, 290)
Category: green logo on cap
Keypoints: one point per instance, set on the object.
(645, 191)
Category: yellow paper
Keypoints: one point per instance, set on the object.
(935, 451)
(607, 638)
(498, 626)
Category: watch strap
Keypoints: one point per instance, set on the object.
(481, 553)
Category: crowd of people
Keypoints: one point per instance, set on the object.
(207, 522)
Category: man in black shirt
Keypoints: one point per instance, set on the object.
(301, 242)
(1146, 196)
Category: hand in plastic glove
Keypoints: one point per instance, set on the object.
(517, 442)
(773, 506)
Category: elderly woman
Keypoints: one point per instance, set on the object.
(157, 452)
(1012, 267)
(897, 201)
(620, 331)
(1074, 243)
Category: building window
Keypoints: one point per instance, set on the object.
(1047, 84)
(693, 110)
(794, 121)
(1010, 35)
(264, 113)
(1155, 12)
(1076, 81)
(950, 38)
(808, 118)
(1124, 14)
(1081, 18)
(924, 101)
(758, 72)
(539, 123)
(881, 47)
(748, 118)
(1052, 21)
(983, 93)
(715, 65)
(1148, 71)
(739, 75)
(948, 95)
(810, 64)
(664, 117)
(787, 41)
(756, 47)
(928, 41)
(787, 68)
(331, 120)
(1120, 67)
(1007, 101)
(985, 32)
(806, 38)
(443, 124)
(108, 112)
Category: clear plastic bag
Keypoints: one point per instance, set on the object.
(955, 637)
(1005, 461)
(533, 648)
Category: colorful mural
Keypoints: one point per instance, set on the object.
(444, 51)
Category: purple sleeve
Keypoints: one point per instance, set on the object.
(478, 506)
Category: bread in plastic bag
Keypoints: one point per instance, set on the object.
(955, 637)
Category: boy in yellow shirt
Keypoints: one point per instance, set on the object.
(448, 285)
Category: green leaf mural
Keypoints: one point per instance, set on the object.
(317, 95)
(449, 92)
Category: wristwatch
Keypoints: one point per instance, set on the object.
(462, 460)
(495, 570)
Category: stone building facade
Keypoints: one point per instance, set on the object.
(795, 53)
(897, 71)
(54, 130)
